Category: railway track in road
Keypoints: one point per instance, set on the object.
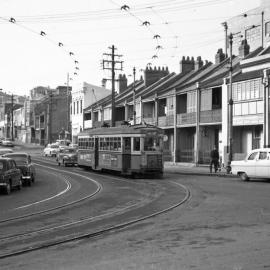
(104, 221)
(36, 213)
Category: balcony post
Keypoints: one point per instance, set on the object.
(156, 110)
(197, 143)
(266, 139)
(175, 131)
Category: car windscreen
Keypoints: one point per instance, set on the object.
(69, 151)
(54, 146)
(19, 159)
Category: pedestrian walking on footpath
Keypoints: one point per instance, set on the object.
(214, 155)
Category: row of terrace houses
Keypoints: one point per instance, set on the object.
(192, 106)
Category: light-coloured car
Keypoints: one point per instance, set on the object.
(255, 165)
(51, 150)
(7, 142)
(4, 151)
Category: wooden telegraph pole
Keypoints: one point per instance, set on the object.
(110, 64)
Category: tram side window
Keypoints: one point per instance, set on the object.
(151, 144)
(136, 144)
(86, 143)
(110, 144)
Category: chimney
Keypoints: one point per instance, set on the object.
(103, 83)
(122, 83)
(198, 63)
(244, 49)
(219, 57)
(187, 64)
(153, 75)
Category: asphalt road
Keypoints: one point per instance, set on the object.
(224, 225)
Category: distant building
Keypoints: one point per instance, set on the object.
(49, 116)
(83, 95)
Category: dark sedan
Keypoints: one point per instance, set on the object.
(24, 162)
(10, 175)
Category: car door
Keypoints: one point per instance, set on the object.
(262, 164)
(251, 163)
(13, 172)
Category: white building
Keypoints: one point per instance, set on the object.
(83, 95)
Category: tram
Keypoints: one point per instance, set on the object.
(129, 150)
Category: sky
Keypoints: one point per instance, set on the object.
(144, 32)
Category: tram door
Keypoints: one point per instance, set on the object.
(126, 154)
(96, 152)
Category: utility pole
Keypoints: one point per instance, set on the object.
(68, 105)
(134, 97)
(12, 124)
(111, 65)
(230, 109)
(50, 116)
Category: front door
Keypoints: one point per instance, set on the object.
(96, 153)
(126, 154)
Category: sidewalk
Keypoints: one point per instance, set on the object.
(192, 169)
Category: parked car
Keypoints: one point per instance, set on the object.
(255, 165)
(24, 163)
(67, 156)
(7, 142)
(10, 175)
(4, 151)
(51, 150)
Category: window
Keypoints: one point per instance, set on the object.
(136, 144)
(77, 107)
(262, 155)
(74, 107)
(252, 156)
(70, 108)
(110, 144)
(81, 106)
(87, 116)
(151, 143)
(267, 28)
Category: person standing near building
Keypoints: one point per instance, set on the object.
(214, 155)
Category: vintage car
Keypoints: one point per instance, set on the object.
(51, 150)
(10, 175)
(4, 151)
(67, 156)
(24, 163)
(7, 142)
(255, 165)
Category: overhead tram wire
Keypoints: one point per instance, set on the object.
(111, 13)
(43, 34)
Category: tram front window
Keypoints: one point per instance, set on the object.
(151, 144)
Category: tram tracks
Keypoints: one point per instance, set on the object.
(52, 209)
(91, 226)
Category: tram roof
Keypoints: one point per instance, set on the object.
(136, 129)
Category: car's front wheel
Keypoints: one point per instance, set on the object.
(244, 176)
